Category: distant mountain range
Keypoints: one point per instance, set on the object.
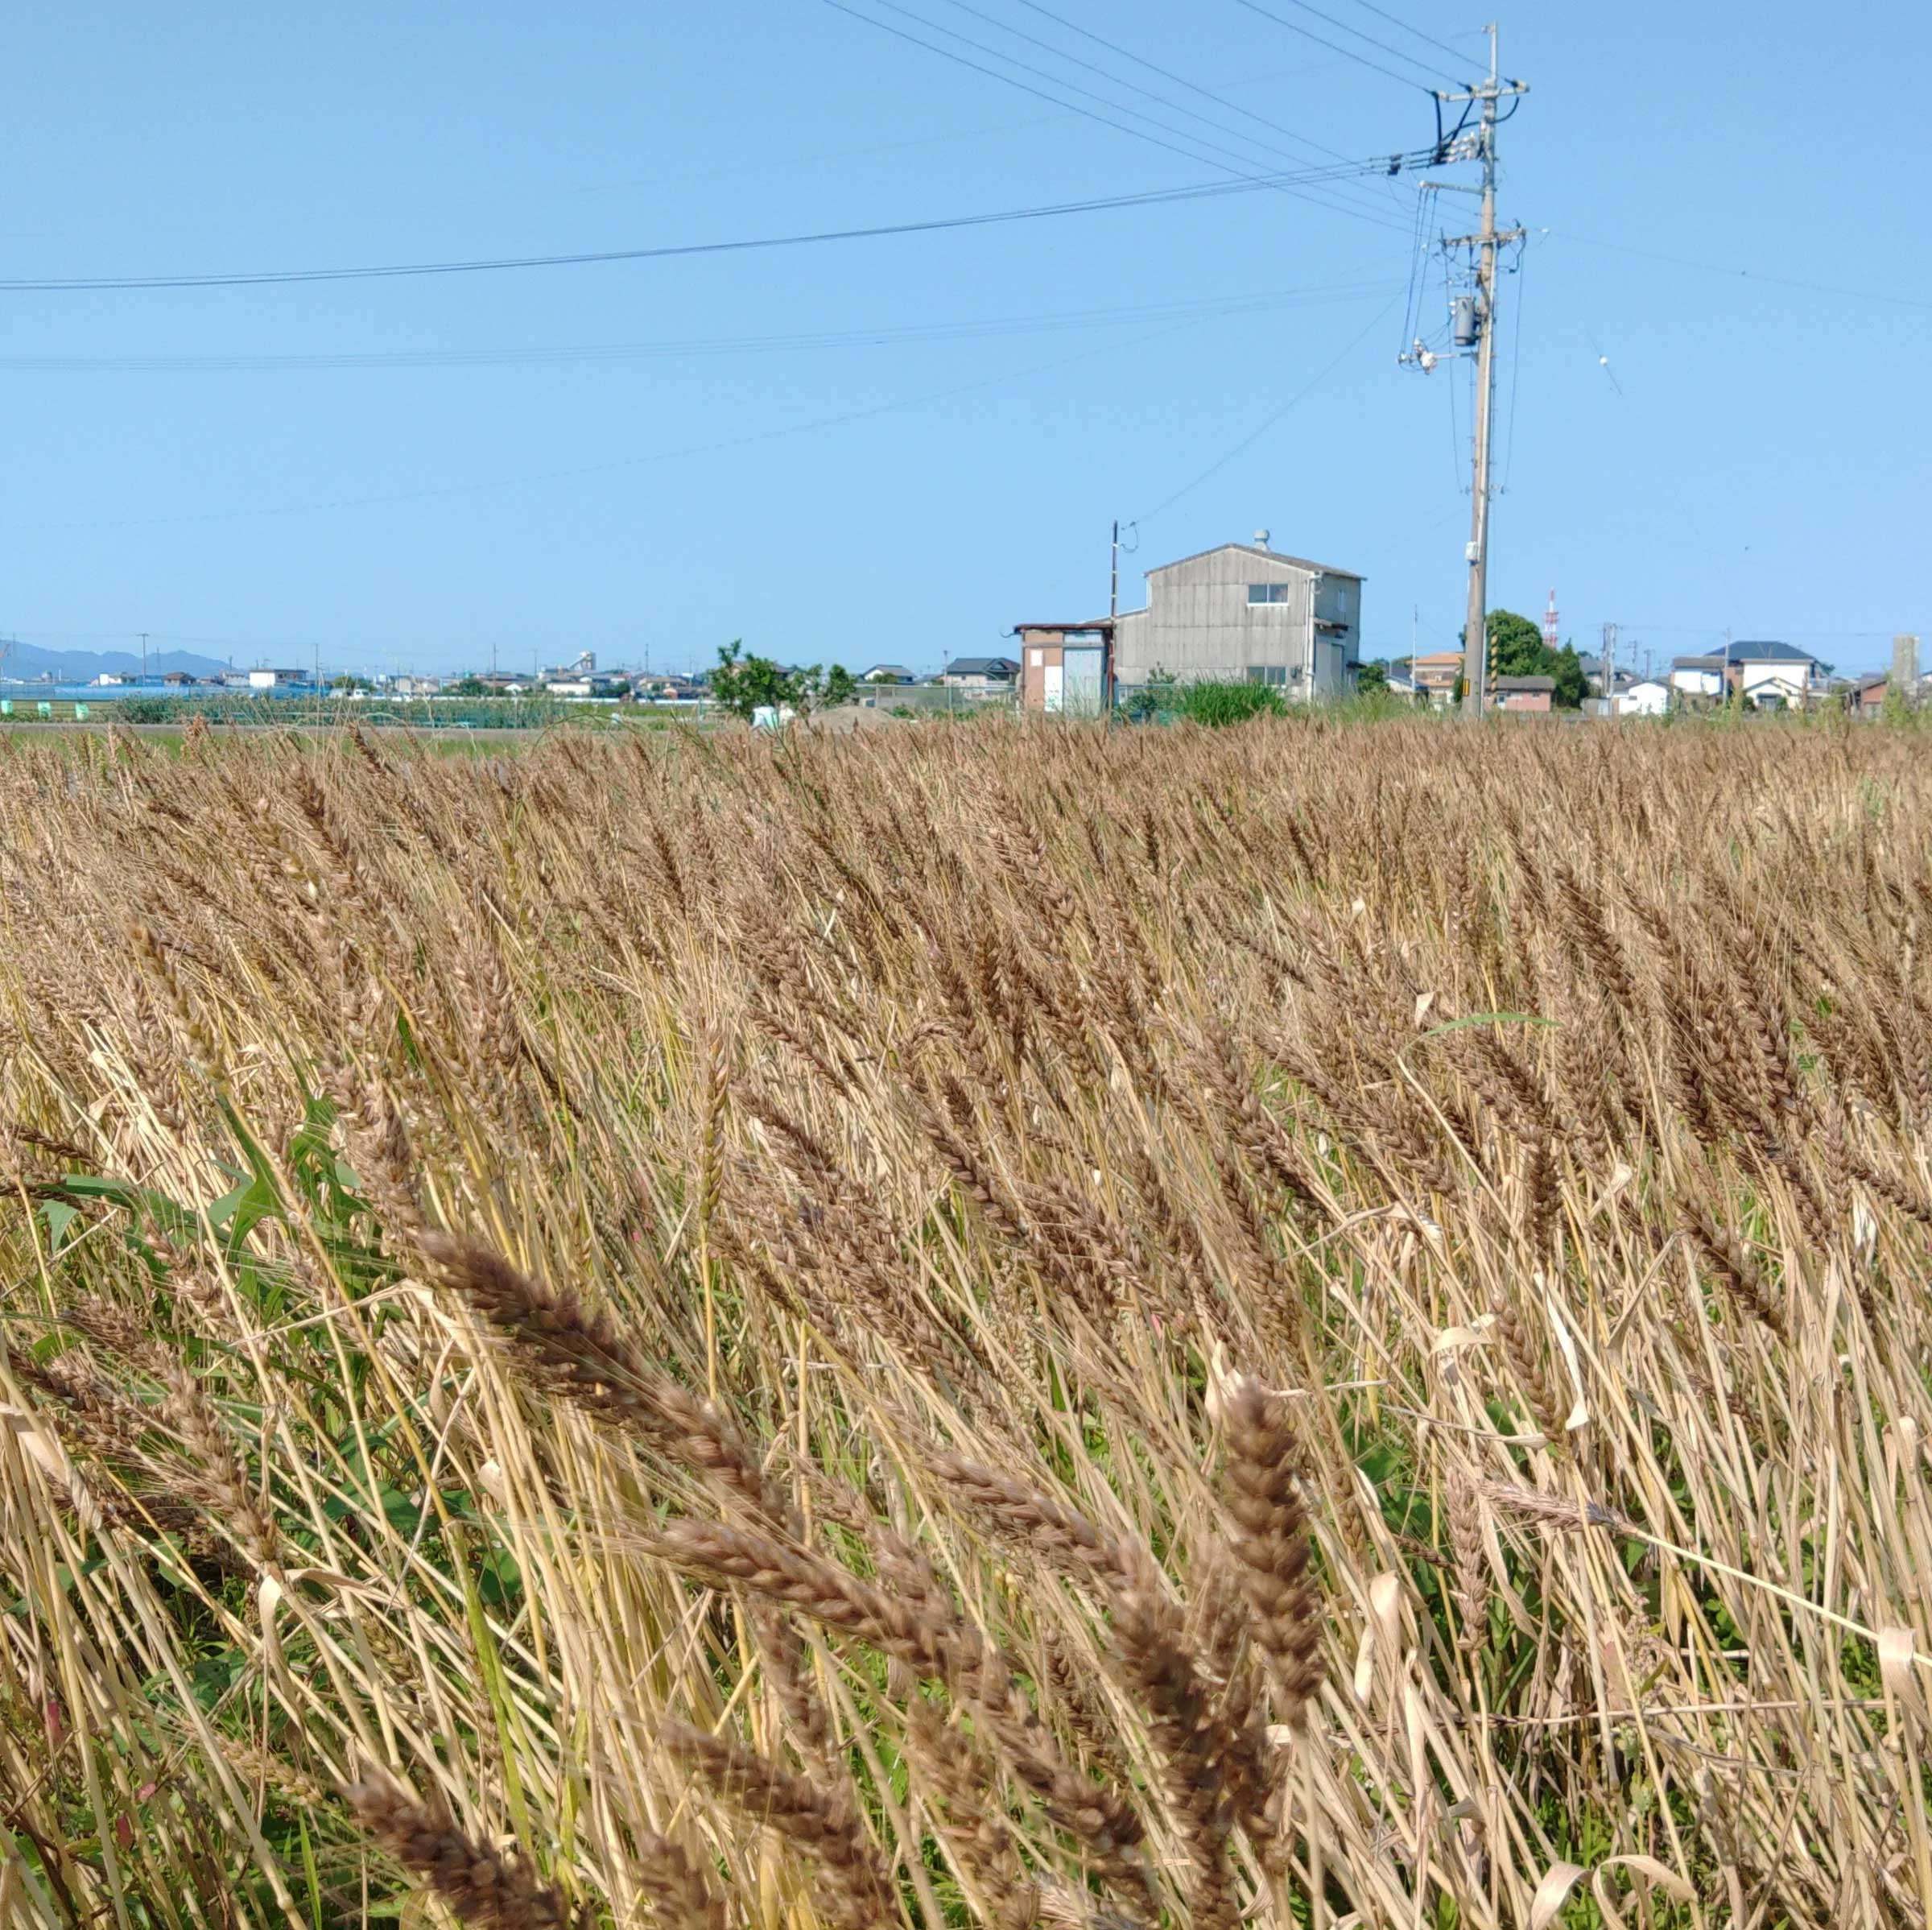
(28, 660)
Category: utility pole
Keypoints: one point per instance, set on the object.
(1610, 670)
(1476, 327)
(1113, 611)
(144, 656)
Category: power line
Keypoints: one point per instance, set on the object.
(1334, 46)
(624, 462)
(1191, 154)
(1749, 275)
(1394, 52)
(1516, 364)
(935, 225)
(1259, 302)
(1254, 435)
(1453, 53)
(1167, 74)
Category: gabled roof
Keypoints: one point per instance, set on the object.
(1087, 623)
(1697, 662)
(1523, 683)
(1267, 555)
(1765, 652)
(981, 666)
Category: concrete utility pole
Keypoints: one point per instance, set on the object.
(1486, 241)
(1610, 670)
(1904, 669)
(144, 656)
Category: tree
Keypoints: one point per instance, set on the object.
(1572, 686)
(1371, 677)
(1516, 648)
(467, 687)
(744, 685)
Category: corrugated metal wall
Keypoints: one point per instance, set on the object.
(1200, 624)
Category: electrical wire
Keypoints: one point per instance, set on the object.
(1243, 160)
(1412, 318)
(1453, 53)
(1749, 275)
(1266, 301)
(1382, 46)
(1168, 74)
(935, 225)
(1335, 47)
(624, 462)
(1516, 364)
(1104, 120)
(1255, 435)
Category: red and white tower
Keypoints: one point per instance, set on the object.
(1550, 632)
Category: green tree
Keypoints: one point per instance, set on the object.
(467, 687)
(743, 684)
(1373, 677)
(1572, 686)
(1516, 648)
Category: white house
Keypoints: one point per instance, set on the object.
(1769, 674)
(1647, 699)
(1772, 673)
(1697, 676)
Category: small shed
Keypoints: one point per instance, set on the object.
(1066, 668)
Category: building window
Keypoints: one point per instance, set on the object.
(1270, 592)
(1274, 674)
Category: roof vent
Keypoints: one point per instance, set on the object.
(1260, 538)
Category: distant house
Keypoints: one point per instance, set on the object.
(887, 673)
(1698, 677)
(569, 687)
(1765, 673)
(180, 679)
(1437, 675)
(109, 676)
(275, 679)
(1648, 698)
(415, 687)
(1866, 698)
(983, 676)
(1769, 673)
(1522, 693)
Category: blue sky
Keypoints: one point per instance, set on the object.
(1759, 460)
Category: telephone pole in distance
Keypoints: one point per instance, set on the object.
(1486, 241)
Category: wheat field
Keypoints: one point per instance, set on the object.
(1313, 1325)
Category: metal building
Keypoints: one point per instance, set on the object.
(1245, 612)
